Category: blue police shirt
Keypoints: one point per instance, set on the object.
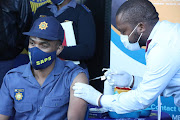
(56, 12)
(22, 96)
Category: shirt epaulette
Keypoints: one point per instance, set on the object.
(70, 64)
(19, 69)
(42, 16)
(86, 8)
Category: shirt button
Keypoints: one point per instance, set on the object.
(40, 107)
(40, 89)
(56, 104)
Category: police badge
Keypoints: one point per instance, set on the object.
(43, 25)
(18, 94)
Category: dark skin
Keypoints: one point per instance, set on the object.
(126, 28)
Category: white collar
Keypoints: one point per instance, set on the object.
(154, 30)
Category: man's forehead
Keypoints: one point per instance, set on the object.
(39, 39)
(120, 18)
(122, 25)
(122, 21)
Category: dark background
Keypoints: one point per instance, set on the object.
(101, 10)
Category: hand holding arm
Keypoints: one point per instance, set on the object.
(87, 92)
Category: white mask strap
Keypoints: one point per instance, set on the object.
(139, 37)
(134, 29)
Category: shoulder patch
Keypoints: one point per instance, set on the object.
(35, 4)
(86, 8)
(19, 94)
(42, 16)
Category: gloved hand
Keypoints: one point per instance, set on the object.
(119, 79)
(108, 89)
(87, 92)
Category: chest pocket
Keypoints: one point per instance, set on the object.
(22, 111)
(56, 101)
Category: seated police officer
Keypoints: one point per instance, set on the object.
(42, 89)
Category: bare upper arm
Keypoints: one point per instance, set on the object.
(4, 117)
(77, 107)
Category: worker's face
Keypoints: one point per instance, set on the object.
(125, 28)
(45, 45)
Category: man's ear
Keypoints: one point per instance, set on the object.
(59, 50)
(141, 28)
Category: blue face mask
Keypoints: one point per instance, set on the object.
(57, 2)
(39, 59)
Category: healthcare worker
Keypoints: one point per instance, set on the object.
(139, 24)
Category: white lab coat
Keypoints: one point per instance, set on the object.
(162, 73)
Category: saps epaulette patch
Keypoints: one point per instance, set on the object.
(86, 8)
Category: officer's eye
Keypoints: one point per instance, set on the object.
(31, 42)
(44, 45)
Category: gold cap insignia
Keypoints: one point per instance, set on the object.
(43, 25)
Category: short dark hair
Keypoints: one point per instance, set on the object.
(135, 11)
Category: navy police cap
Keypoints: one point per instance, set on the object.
(47, 28)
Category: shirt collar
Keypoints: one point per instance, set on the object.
(53, 8)
(27, 71)
(72, 3)
(154, 31)
(58, 68)
(150, 38)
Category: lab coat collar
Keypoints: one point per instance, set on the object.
(154, 31)
(152, 34)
